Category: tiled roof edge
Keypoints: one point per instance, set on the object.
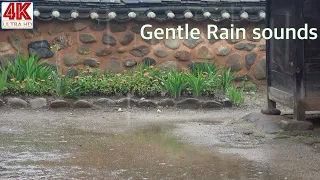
(215, 10)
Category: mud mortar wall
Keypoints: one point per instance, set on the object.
(114, 47)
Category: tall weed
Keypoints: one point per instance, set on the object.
(175, 83)
(196, 83)
(235, 95)
(226, 79)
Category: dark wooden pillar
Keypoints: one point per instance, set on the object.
(299, 107)
(270, 103)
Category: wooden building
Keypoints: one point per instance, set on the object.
(293, 65)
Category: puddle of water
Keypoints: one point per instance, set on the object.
(149, 153)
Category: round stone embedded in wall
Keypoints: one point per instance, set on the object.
(204, 53)
(161, 53)
(168, 66)
(234, 62)
(83, 49)
(148, 61)
(87, 38)
(39, 44)
(127, 38)
(60, 42)
(91, 62)
(114, 66)
(118, 27)
(4, 46)
(130, 63)
(260, 72)
(70, 60)
(78, 26)
(56, 28)
(223, 50)
(16, 42)
(192, 43)
(182, 55)
(250, 59)
(152, 41)
(98, 26)
(109, 39)
(31, 33)
(140, 51)
(262, 47)
(172, 43)
(245, 46)
(136, 28)
(40, 48)
(28, 34)
(103, 51)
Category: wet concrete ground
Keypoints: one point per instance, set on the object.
(144, 144)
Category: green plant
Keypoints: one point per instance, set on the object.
(3, 79)
(211, 84)
(196, 83)
(63, 87)
(247, 85)
(235, 95)
(175, 83)
(28, 68)
(226, 79)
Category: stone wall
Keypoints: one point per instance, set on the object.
(115, 47)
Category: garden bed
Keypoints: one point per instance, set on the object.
(201, 84)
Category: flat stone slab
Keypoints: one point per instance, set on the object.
(127, 102)
(189, 103)
(147, 103)
(17, 103)
(105, 102)
(59, 104)
(82, 104)
(269, 124)
(38, 103)
(211, 104)
(166, 102)
(296, 125)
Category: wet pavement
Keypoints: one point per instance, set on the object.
(137, 145)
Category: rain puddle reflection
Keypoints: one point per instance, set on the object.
(148, 153)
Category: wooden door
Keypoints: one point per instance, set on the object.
(285, 57)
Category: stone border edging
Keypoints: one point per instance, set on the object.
(187, 103)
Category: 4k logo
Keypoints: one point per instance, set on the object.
(17, 15)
